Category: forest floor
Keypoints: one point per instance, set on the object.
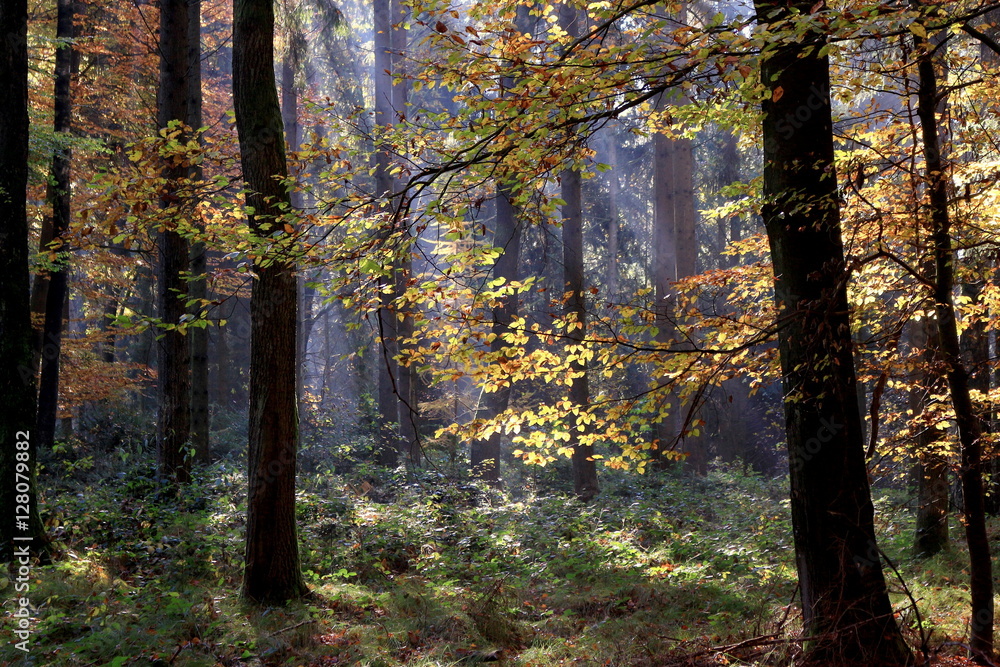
(661, 569)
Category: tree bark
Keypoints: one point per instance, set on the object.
(847, 617)
(931, 469)
(198, 288)
(969, 426)
(17, 375)
(60, 196)
(272, 573)
(174, 352)
(976, 352)
(407, 378)
(584, 467)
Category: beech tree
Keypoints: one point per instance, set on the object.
(272, 573)
(848, 619)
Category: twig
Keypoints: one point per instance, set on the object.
(291, 627)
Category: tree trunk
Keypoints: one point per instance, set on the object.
(614, 196)
(686, 253)
(388, 369)
(272, 573)
(198, 288)
(847, 617)
(976, 351)
(174, 372)
(664, 274)
(485, 454)
(969, 427)
(60, 196)
(584, 467)
(931, 469)
(408, 413)
(17, 375)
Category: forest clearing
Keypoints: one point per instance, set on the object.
(439, 332)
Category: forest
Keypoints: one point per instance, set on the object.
(441, 332)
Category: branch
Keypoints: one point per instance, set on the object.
(982, 37)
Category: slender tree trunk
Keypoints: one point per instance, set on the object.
(272, 573)
(664, 274)
(931, 469)
(976, 352)
(485, 454)
(969, 426)
(40, 288)
(223, 383)
(388, 368)
(584, 467)
(614, 196)
(847, 617)
(174, 372)
(407, 379)
(686, 247)
(198, 287)
(60, 198)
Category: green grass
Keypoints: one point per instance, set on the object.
(433, 571)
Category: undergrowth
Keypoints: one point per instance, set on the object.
(428, 569)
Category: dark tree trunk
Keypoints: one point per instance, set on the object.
(485, 454)
(932, 496)
(272, 573)
(223, 382)
(931, 469)
(60, 196)
(174, 352)
(976, 351)
(17, 374)
(584, 467)
(969, 426)
(198, 289)
(848, 619)
(388, 368)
